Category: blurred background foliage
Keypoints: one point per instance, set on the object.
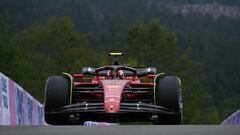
(40, 38)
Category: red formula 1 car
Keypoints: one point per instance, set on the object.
(113, 93)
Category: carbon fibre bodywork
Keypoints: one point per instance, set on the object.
(97, 96)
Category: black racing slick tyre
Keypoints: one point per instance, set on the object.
(56, 95)
(168, 95)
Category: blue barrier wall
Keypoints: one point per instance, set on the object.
(233, 119)
(17, 106)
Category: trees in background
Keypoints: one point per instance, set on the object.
(51, 49)
(12, 61)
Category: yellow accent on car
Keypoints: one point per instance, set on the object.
(154, 85)
(71, 81)
(116, 54)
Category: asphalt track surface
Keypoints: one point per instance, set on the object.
(121, 130)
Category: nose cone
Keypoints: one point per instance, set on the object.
(112, 98)
(111, 105)
(112, 94)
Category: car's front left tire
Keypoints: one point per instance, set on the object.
(168, 95)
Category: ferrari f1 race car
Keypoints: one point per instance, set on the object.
(113, 93)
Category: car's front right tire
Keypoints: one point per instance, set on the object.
(56, 95)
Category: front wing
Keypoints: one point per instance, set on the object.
(124, 108)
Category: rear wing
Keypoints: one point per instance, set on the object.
(141, 71)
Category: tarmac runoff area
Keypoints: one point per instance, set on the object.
(122, 130)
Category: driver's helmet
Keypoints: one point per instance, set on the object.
(109, 74)
(120, 74)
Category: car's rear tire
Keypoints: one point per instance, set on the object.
(168, 95)
(56, 95)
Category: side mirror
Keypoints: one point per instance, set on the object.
(146, 71)
(88, 70)
(151, 70)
